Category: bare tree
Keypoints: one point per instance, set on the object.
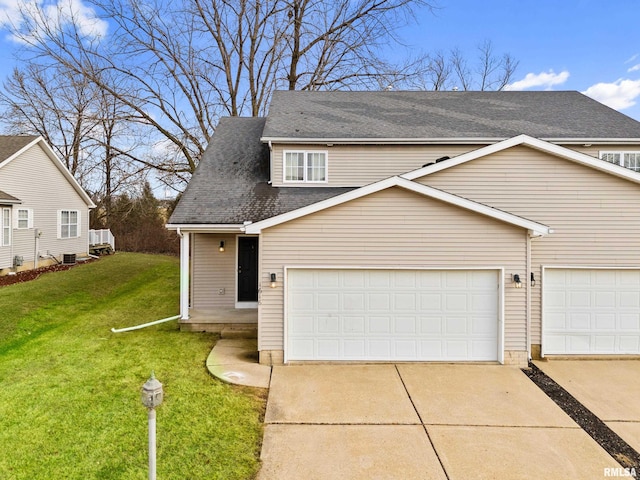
(177, 66)
(171, 68)
(83, 124)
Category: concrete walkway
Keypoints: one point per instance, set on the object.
(420, 421)
(236, 361)
(609, 388)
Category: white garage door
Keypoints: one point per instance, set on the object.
(392, 315)
(591, 311)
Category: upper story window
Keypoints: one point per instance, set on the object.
(68, 223)
(24, 218)
(305, 166)
(629, 160)
(5, 233)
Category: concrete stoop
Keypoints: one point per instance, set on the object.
(239, 331)
(226, 330)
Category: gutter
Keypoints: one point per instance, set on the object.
(205, 227)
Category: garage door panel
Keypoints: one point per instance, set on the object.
(630, 321)
(353, 279)
(396, 315)
(629, 343)
(431, 325)
(379, 301)
(601, 314)
(354, 325)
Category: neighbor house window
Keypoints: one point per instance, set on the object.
(305, 166)
(6, 227)
(629, 160)
(69, 224)
(24, 218)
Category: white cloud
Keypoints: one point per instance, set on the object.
(9, 12)
(621, 94)
(542, 79)
(635, 68)
(29, 18)
(631, 59)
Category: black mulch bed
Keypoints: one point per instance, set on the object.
(28, 275)
(596, 428)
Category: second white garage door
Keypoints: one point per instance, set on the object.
(410, 315)
(591, 311)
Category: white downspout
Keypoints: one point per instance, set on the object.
(270, 162)
(527, 279)
(144, 325)
(184, 274)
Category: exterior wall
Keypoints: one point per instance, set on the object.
(37, 182)
(213, 270)
(358, 165)
(595, 216)
(594, 150)
(392, 228)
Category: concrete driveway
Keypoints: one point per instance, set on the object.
(609, 388)
(420, 421)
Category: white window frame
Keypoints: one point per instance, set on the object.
(5, 224)
(29, 219)
(305, 167)
(618, 158)
(69, 224)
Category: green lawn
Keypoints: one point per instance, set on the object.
(70, 389)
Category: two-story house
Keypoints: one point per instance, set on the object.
(419, 226)
(44, 211)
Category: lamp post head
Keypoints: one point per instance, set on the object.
(152, 393)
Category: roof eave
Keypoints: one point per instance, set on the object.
(206, 227)
(444, 140)
(592, 141)
(386, 141)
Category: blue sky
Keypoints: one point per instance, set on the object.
(592, 46)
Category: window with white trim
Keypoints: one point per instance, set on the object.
(630, 160)
(6, 227)
(68, 224)
(305, 166)
(24, 218)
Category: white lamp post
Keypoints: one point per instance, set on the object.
(152, 395)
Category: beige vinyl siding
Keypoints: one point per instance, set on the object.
(212, 270)
(37, 182)
(595, 216)
(594, 150)
(391, 228)
(358, 165)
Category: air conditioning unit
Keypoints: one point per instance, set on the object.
(69, 258)
(18, 261)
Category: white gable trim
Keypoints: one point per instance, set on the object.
(56, 161)
(531, 142)
(535, 229)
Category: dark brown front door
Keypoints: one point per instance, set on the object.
(247, 269)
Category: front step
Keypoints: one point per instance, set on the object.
(239, 331)
(226, 330)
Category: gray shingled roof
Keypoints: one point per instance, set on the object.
(5, 198)
(443, 115)
(10, 144)
(230, 184)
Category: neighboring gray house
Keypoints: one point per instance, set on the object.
(44, 211)
(419, 226)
